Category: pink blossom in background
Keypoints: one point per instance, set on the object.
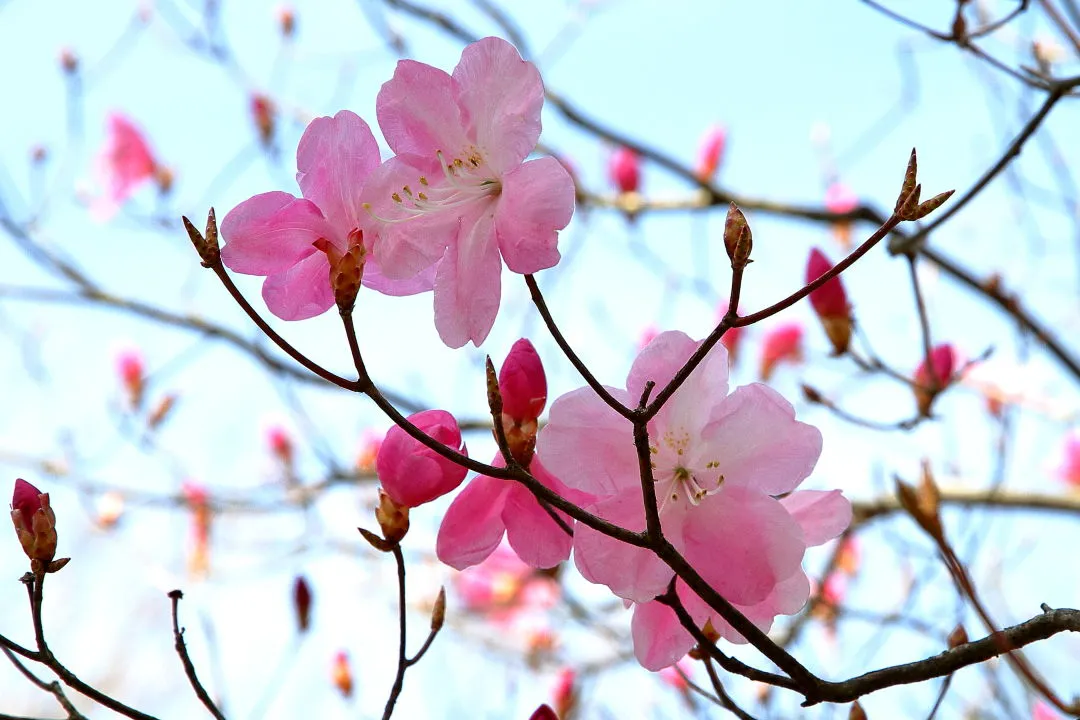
(368, 453)
(1041, 710)
(1069, 469)
(782, 343)
(459, 192)
(198, 499)
(733, 337)
(718, 461)
(647, 335)
(672, 677)
(264, 115)
(488, 507)
(413, 474)
(830, 302)
(624, 170)
(711, 152)
(124, 164)
(274, 234)
(839, 198)
(280, 443)
(131, 368)
(507, 592)
(932, 378)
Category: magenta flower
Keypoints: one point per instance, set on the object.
(718, 462)
(624, 169)
(275, 233)
(458, 193)
(490, 507)
(412, 473)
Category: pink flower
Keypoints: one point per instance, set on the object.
(830, 302)
(458, 192)
(35, 522)
(413, 474)
(264, 114)
(711, 152)
(781, 343)
(624, 169)
(275, 233)
(503, 586)
(718, 462)
(126, 162)
(671, 675)
(489, 507)
(1069, 469)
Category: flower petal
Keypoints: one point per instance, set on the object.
(630, 572)
(821, 514)
(742, 543)
(468, 283)
(374, 279)
(301, 292)
(659, 638)
(537, 201)
(502, 96)
(472, 527)
(536, 538)
(589, 446)
(759, 442)
(269, 233)
(787, 598)
(334, 158)
(418, 111)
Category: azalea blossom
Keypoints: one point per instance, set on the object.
(503, 587)
(287, 239)
(488, 507)
(458, 192)
(719, 461)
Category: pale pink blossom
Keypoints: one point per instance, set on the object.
(1069, 469)
(488, 507)
(624, 170)
(458, 192)
(124, 164)
(412, 473)
(719, 460)
(782, 343)
(275, 234)
(503, 587)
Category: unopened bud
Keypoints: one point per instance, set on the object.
(958, 637)
(856, 712)
(346, 269)
(738, 240)
(287, 20)
(205, 244)
(438, 611)
(161, 411)
(302, 603)
(830, 302)
(264, 114)
(393, 519)
(341, 674)
(69, 61)
(35, 525)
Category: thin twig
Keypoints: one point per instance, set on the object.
(189, 667)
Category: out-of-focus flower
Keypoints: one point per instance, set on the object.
(932, 378)
(413, 474)
(647, 335)
(35, 525)
(131, 368)
(110, 508)
(459, 192)
(719, 460)
(830, 302)
(488, 507)
(711, 152)
(672, 677)
(286, 17)
(624, 170)
(503, 586)
(1069, 469)
(839, 198)
(565, 695)
(732, 338)
(782, 343)
(198, 500)
(341, 674)
(289, 240)
(124, 164)
(161, 411)
(69, 61)
(264, 113)
(366, 456)
(1047, 52)
(281, 446)
(302, 602)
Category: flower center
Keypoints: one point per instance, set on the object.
(678, 474)
(466, 179)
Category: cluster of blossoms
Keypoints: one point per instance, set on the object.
(456, 201)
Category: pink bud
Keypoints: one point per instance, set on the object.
(263, 113)
(35, 523)
(132, 371)
(1069, 469)
(413, 474)
(522, 382)
(929, 381)
(302, 602)
(544, 712)
(830, 302)
(671, 675)
(781, 343)
(565, 694)
(711, 152)
(624, 169)
(286, 20)
(281, 444)
(341, 674)
(370, 442)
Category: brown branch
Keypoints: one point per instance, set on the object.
(189, 667)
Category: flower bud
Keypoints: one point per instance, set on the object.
(523, 387)
(830, 302)
(286, 17)
(933, 378)
(302, 603)
(132, 371)
(544, 712)
(393, 518)
(281, 445)
(264, 113)
(624, 169)
(711, 153)
(565, 695)
(782, 343)
(412, 473)
(341, 674)
(346, 269)
(35, 524)
(738, 240)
